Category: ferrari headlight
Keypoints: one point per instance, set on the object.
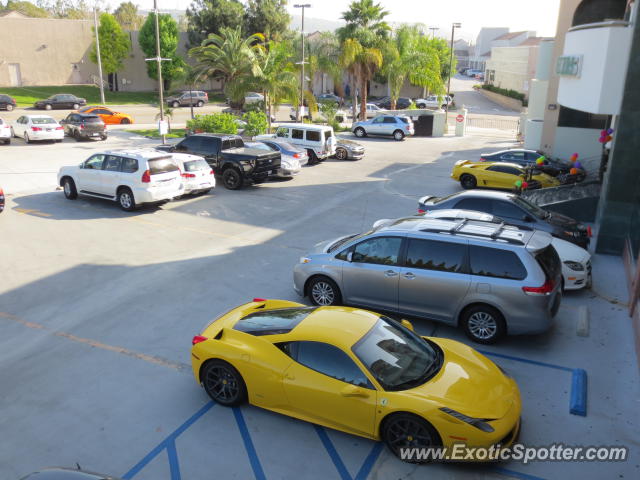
(479, 423)
(575, 266)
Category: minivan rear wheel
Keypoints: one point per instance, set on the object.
(483, 324)
(324, 292)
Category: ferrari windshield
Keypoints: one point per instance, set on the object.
(396, 357)
(530, 207)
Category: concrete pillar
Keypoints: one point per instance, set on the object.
(461, 126)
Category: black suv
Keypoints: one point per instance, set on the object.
(229, 158)
(401, 104)
(7, 102)
(84, 126)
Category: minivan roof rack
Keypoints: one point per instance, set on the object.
(492, 231)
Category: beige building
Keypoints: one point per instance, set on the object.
(513, 68)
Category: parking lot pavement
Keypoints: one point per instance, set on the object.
(98, 307)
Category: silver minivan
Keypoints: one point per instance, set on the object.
(489, 279)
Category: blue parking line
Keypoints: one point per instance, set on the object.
(165, 443)
(174, 465)
(513, 473)
(371, 459)
(248, 445)
(578, 396)
(333, 453)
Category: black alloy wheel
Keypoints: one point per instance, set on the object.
(223, 383)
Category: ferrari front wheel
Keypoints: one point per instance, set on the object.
(405, 431)
(223, 383)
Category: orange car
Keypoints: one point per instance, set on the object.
(107, 115)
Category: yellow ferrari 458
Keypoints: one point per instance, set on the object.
(359, 372)
(500, 175)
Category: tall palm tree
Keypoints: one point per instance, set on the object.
(364, 14)
(322, 56)
(362, 63)
(231, 57)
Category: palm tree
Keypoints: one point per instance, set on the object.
(231, 57)
(366, 15)
(322, 57)
(362, 63)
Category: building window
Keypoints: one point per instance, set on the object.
(594, 11)
(568, 117)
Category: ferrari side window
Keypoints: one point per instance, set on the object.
(330, 361)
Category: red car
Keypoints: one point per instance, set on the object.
(1, 200)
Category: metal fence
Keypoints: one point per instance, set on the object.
(494, 123)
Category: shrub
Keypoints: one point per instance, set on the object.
(329, 110)
(215, 123)
(256, 123)
(507, 93)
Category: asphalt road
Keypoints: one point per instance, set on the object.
(98, 308)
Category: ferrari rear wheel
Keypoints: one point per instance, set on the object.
(468, 181)
(223, 383)
(125, 121)
(407, 431)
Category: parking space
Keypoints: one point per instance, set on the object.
(98, 308)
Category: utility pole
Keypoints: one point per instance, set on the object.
(159, 59)
(95, 26)
(446, 111)
(433, 32)
(301, 106)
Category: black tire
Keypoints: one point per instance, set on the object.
(103, 137)
(26, 138)
(406, 430)
(13, 134)
(468, 181)
(7, 141)
(48, 106)
(444, 107)
(232, 178)
(76, 106)
(360, 132)
(59, 140)
(125, 121)
(9, 107)
(175, 104)
(76, 135)
(324, 292)
(483, 324)
(126, 200)
(69, 188)
(421, 105)
(341, 153)
(200, 103)
(223, 383)
(313, 158)
(398, 135)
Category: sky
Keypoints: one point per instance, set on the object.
(540, 16)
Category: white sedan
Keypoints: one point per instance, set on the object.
(253, 97)
(434, 101)
(37, 127)
(5, 132)
(197, 175)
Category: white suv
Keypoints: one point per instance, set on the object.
(130, 177)
(318, 140)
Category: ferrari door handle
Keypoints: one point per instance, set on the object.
(289, 376)
(390, 273)
(409, 276)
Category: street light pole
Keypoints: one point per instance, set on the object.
(301, 106)
(95, 26)
(433, 32)
(159, 59)
(446, 102)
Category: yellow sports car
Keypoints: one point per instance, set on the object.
(108, 116)
(500, 175)
(358, 372)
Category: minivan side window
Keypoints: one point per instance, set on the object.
(379, 250)
(389, 120)
(494, 262)
(434, 255)
(313, 136)
(297, 134)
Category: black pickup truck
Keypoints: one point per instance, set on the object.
(229, 158)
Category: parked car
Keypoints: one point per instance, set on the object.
(197, 98)
(514, 209)
(348, 150)
(57, 473)
(396, 126)
(402, 103)
(434, 101)
(359, 372)
(7, 102)
(130, 177)
(1, 200)
(292, 157)
(197, 175)
(108, 116)
(329, 97)
(229, 158)
(61, 100)
(304, 112)
(473, 72)
(527, 158)
(84, 126)
(488, 279)
(253, 97)
(501, 175)
(5, 132)
(318, 140)
(576, 261)
(373, 110)
(37, 127)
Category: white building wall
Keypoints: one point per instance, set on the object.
(512, 67)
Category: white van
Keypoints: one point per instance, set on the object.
(318, 140)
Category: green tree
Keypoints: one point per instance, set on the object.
(269, 17)
(441, 48)
(364, 15)
(211, 16)
(363, 62)
(323, 55)
(231, 57)
(114, 44)
(73, 9)
(169, 38)
(26, 8)
(128, 17)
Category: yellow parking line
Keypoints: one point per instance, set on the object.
(29, 211)
(94, 343)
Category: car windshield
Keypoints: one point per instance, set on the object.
(42, 120)
(273, 322)
(396, 357)
(348, 238)
(530, 207)
(195, 165)
(404, 119)
(162, 165)
(92, 120)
